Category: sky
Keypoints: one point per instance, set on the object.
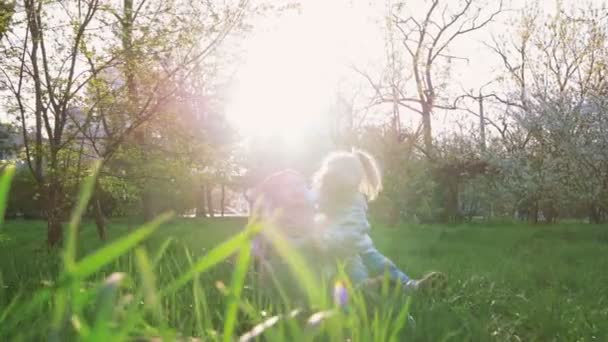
(294, 64)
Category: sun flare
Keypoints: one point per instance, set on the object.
(289, 78)
(285, 83)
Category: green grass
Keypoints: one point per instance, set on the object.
(507, 282)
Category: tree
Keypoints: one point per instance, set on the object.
(41, 68)
(7, 9)
(149, 91)
(416, 80)
(69, 93)
(555, 89)
(426, 39)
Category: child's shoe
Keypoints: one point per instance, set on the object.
(430, 283)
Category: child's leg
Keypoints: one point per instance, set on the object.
(377, 264)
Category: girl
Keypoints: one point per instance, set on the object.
(343, 184)
(285, 201)
(285, 197)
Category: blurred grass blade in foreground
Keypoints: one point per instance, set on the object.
(218, 254)
(103, 256)
(5, 187)
(86, 191)
(238, 282)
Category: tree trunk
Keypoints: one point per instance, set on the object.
(427, 131)
(534, 212)
(133, 97)
(147, 205)
(482, 125)
(396, 120)
(223, 200)
(98, 211)
(54, 231)
(450, 201)
(54, 215)
(595, 214)
(100, 221)
(209, 199)
(201, 205)
(550, 213)
(127, 45)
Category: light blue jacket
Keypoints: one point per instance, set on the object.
(347, 228)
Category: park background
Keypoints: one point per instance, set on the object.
(488, 119)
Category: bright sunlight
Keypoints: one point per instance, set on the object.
(292, 68)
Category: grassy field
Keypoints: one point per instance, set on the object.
(506, 283)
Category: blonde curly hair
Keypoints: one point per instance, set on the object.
(342, 174)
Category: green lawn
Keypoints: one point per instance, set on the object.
(506, 282)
